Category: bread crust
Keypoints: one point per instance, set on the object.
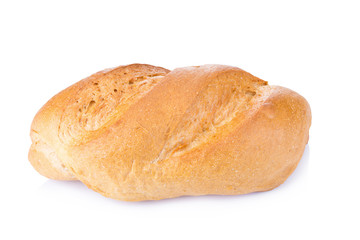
(200, 130)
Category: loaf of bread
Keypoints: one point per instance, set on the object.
(140, 132)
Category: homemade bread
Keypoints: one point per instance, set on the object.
(140, 132)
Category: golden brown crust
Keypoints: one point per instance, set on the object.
(60, 122)
(199, 130)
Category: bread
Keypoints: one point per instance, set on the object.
(140, 132)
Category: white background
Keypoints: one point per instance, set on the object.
(311, 47)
